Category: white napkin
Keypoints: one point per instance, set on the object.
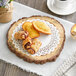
(71, 71)
(46, 69)
(65, 67)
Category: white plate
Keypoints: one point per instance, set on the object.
(60, 11)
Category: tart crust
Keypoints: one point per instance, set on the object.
(37, 59)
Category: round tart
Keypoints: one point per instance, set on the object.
(51, 46)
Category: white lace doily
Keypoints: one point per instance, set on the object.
(49, 42)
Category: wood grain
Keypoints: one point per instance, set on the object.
(11, 70)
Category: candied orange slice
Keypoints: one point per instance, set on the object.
(41, 27)
(27, 26)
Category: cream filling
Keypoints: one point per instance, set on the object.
(49, 42)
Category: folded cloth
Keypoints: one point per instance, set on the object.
(66, 65)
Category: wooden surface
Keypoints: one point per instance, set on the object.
(11, 70)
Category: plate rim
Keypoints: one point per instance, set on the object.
(50, 8)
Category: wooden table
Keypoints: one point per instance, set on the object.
(11, 70)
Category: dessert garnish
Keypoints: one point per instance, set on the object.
(41, 27)
(28, 26)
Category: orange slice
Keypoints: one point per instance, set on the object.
(27, 26)
(41, 27)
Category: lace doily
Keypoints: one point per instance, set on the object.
(49, 42)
